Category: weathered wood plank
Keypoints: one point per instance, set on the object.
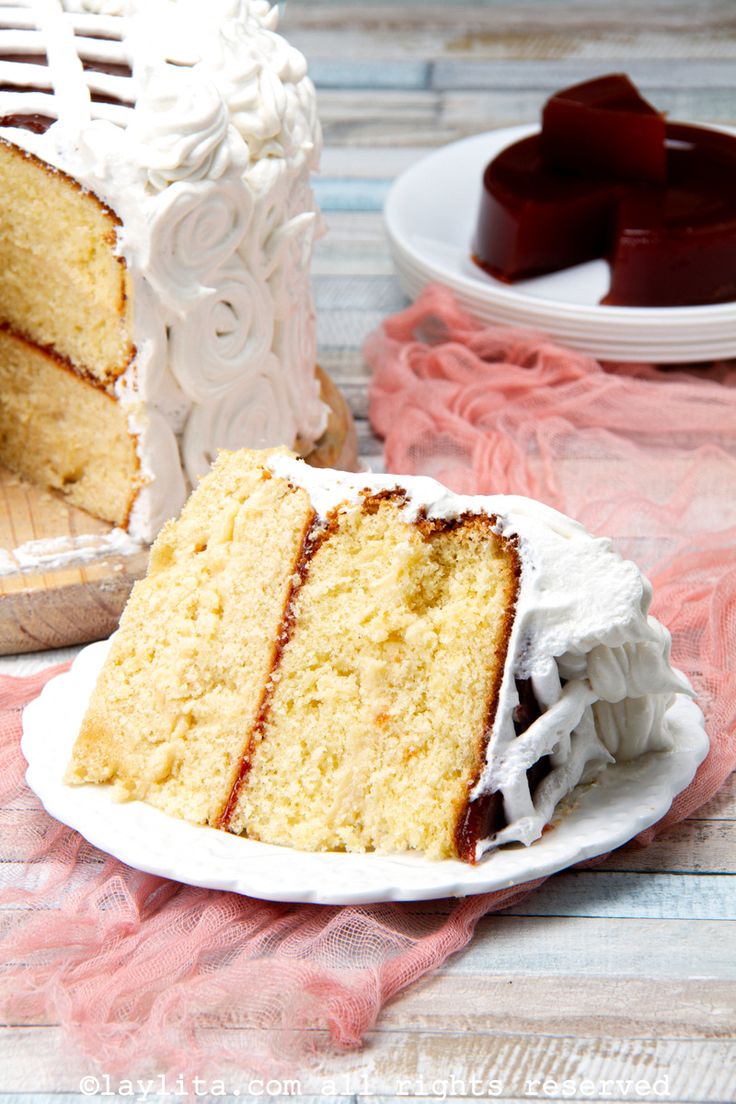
(425, 1065)
(31, 662)
(663, 74)
(646, 896)
(562, 1005)
(350, 363)
(358, 293)
(537, 946)
(367, 73)
(538, 31)
(383, 163)
(694, 846)
(603, 894)
(585, 947)
(524, 15)
(336, 194)
(346, 328)
(432, 118)
(659, 77)
(152, 1090)
(723, 805)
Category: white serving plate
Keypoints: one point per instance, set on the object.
(430, 220)
(625, 800)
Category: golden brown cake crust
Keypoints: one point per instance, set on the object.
(481, 817)
(28, 156)
(61, 361)
(314, 534)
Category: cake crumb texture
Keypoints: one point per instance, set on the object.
(377, 723)
(60, 431)
(171, 716)
(61, 283)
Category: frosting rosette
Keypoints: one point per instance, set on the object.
(227, 333)
(301, 112)
(254, 67)
(152, 380)
(195, 229)
(288, 248)
(182, 128)
(295, 338)
(255, 414)
(268, 183)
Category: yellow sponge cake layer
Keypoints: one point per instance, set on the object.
(61, 283)
(173, 711)
(58, 430)
(376, 729)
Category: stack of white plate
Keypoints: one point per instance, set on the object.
(430, 217)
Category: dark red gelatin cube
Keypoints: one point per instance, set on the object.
(676, 245)
(604, 127)
(533, 221)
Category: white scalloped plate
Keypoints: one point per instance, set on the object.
(625, 800)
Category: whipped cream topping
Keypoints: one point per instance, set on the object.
(204, 151)
(598, 664)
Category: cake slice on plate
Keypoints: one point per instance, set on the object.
(362, 662)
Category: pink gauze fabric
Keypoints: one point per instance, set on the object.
(143, 974)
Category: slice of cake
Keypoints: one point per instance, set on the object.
(363, 662)
(156, 230)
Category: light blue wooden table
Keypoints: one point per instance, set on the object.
(607, 978)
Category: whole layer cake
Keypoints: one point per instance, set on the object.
(363, 662)
(156, 229)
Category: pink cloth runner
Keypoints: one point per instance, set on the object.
(141, 972)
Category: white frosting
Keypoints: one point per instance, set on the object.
(48, 553)
(182, 129)
(598, 664)
(209, 174)
(256, 409)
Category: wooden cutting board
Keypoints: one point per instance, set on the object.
(63, 582)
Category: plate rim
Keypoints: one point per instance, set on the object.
(456, 879)
(411, 263)
(625, 350)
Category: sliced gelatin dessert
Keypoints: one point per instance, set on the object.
(534, 220)
(676, 246)
(590, 185)
(604, 127)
